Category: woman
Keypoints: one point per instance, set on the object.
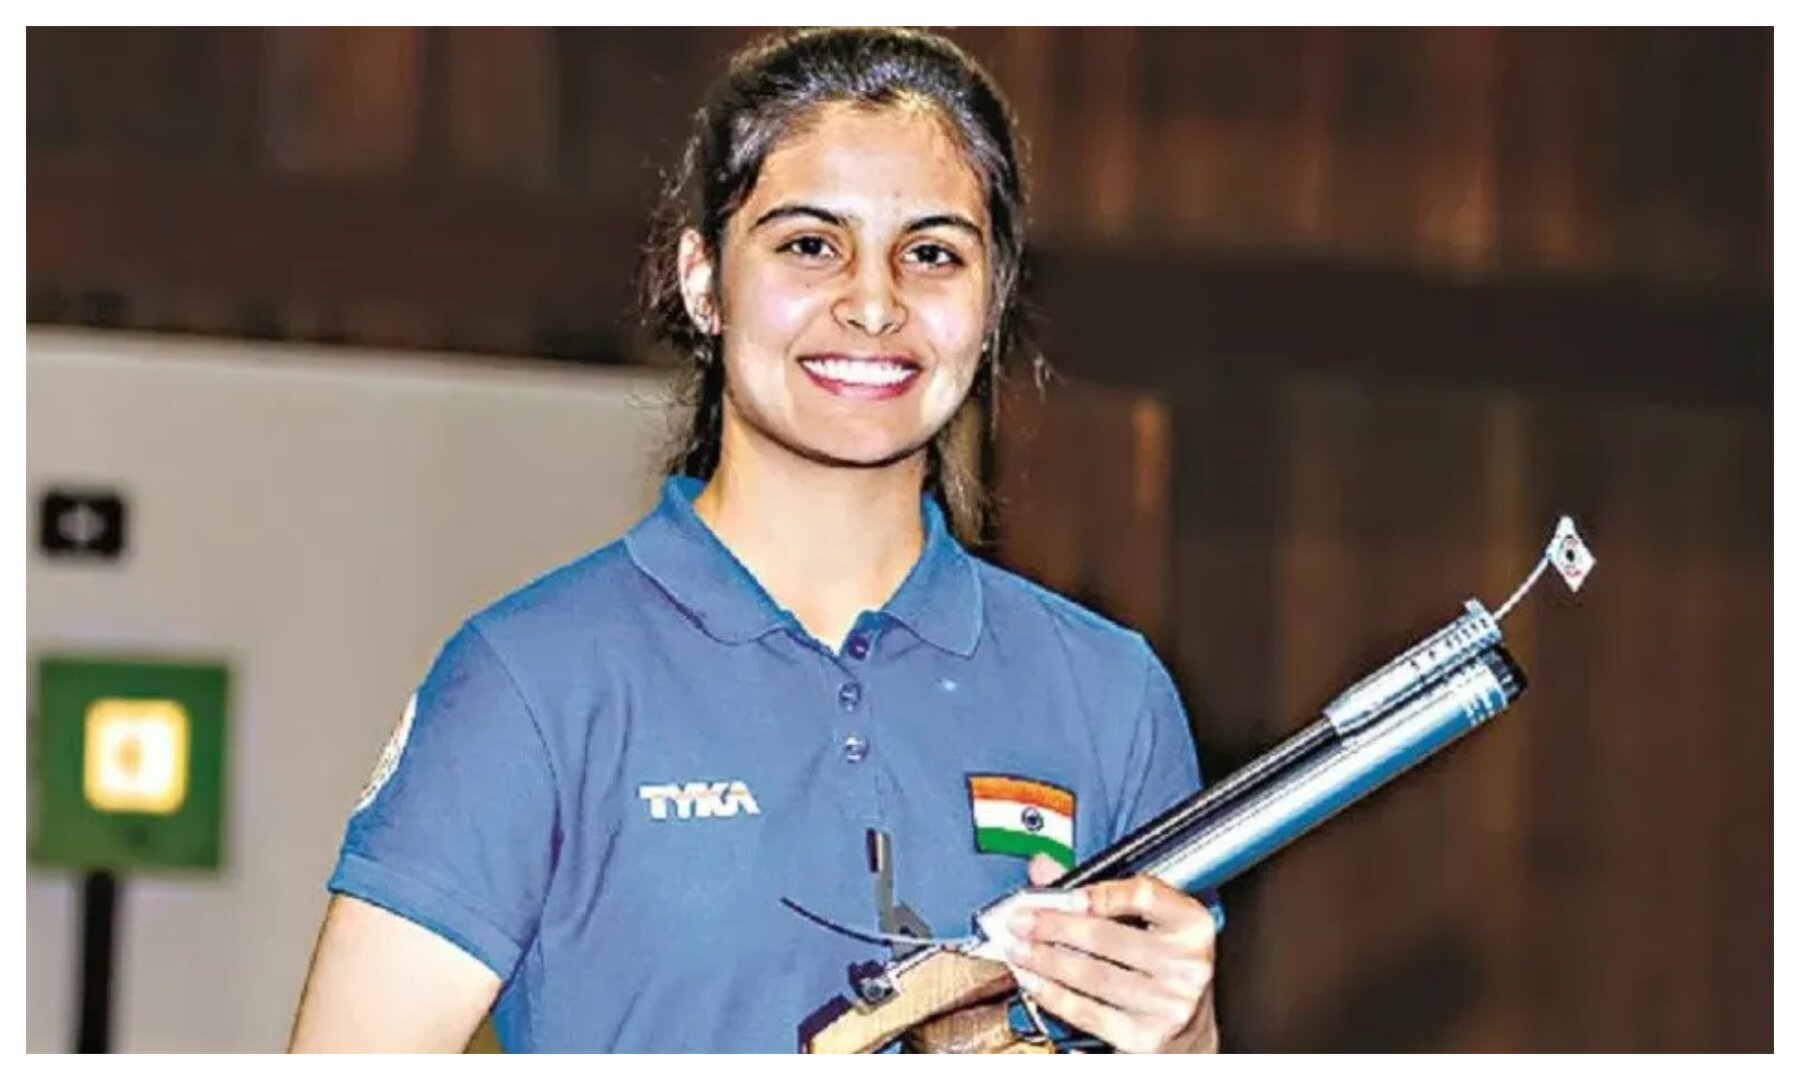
(610, 780)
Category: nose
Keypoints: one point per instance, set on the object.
(870, 302)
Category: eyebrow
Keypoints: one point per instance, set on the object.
(789, 210)
(929, 221)
(953, 221)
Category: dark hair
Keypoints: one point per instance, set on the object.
(771, 86)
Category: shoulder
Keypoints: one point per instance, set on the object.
(575, 593)
(1106, 674)
(564, 616)
(1020, 610)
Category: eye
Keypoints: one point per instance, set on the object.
(811, 248)
(933, 255)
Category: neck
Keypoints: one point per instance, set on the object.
(826, 542)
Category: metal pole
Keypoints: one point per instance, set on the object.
(99, 933)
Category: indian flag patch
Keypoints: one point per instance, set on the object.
(1022, 817)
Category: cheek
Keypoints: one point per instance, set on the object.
(768, 312)
(955, 331)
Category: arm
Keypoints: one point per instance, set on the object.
(445, 864)
(379, 982)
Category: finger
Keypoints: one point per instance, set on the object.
(1159, 905)
(1108, 983)
(1110, 1025)
(1149, 951)
(1042, 870)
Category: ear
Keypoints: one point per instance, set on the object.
(698, 292)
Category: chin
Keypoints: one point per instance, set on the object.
(870, 452)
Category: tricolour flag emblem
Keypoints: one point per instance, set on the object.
(1022, 817)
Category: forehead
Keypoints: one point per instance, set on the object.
(871, 164)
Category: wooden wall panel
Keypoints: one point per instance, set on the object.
(1572, 150)
(496, 105)
(1380, 100)
(1693, 599)
(1627, 811)
(1605, 153)
(1539, 176)
(628, 97)
(1318, 589)
(1729, 719)
(1424, 554)
(1496, 801)
(1739, 857)
(1311, 159)
(1458, 155)
(1024, 60)
(135, 97)
(1191, 187)
(1558, 880)
(342, 103)
(1081, 490)
(1590, 871)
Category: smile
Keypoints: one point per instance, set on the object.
(861, 378)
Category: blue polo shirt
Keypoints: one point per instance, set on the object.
(611, 778)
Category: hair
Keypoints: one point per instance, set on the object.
(772, 88)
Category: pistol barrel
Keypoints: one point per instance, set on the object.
(1302, 798)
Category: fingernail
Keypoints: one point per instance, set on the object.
(1022, 925)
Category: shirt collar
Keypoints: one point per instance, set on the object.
(940, 599)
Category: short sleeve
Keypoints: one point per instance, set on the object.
(1163, 767)
(458, 832)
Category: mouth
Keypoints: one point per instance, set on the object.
(862, 377)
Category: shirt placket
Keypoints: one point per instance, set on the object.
(855, 740)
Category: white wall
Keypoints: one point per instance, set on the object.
(320, 519)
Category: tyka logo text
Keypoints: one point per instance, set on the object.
(699, 799)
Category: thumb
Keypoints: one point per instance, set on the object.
(1042, 870)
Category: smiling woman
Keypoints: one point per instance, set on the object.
(616, 778)
(886, 156)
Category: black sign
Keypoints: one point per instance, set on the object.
(88, 524)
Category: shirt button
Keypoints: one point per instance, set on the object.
(850, 695)
(855, 749)
(857, 647)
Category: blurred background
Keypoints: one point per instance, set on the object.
(1345, 318)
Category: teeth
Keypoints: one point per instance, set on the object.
(861, 372)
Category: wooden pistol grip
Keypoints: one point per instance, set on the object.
(941, 983)
(978, 1029)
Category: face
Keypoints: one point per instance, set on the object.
(852, 289)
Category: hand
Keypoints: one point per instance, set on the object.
(1144, 990)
